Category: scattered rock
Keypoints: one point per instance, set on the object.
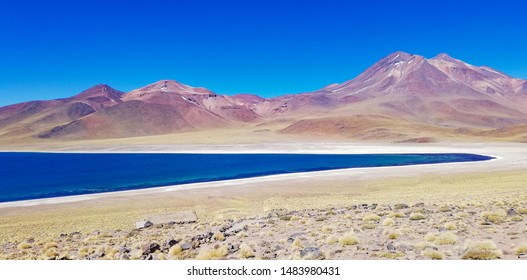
(124, 250)
(390, 247)
(311, 253)
(404, 247)
(181, 217)
(143, 224)
(152, 248)
(511, 212)
(293, 236)
(237, 227)
(486, 222)
(171, 243)
(186, 246)
(233, 248)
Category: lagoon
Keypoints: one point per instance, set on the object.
(29, 175)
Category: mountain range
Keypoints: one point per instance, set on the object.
(402, 97)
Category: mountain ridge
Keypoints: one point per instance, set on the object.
(441, 92)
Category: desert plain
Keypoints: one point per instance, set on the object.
(472, 210)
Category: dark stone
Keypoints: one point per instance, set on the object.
(171, 243)
(123, 250)
(186, 246)
(75, 234)
(143, 224)
(152, 248)
(511, 212)
(233, 248)
(390, 247)
(312, 253)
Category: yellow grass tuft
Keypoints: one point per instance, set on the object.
(371, 218)
(388, 222)
(430, 237)
(246, 251)
(294, 218)
(396, 215)
(175, 250)
(332, 240)
(297, 244)
(348, 239)
(516, 218)
(50, 245)
(391, 233)
(212, 254)
(461, 215)
(481, 250)
(51, 253)
(522, 249)
(496, 217)
(327, 229)
(83, 252)
(450, 226)
(390, 255)
(23, 246)
(218, 236)
(369, 226)
(446, 238)
(433, 254)
(416, 216)
(522, 210)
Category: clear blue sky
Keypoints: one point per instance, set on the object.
(51, 49)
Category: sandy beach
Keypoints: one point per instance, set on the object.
(497, 184)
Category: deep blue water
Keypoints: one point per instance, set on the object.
(40, 175)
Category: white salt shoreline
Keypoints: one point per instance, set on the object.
(507, 157)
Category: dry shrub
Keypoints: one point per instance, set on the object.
(371, 218)
(391, 233)
(450, 226)
(217, 252)
(246, 251)
(481, 250)
(388, 222)
(433, 254)
(218, 236)
(332, 240)
(496, 217)
(348, 239)
(446, 238)
(175, 250)
(521, 250)
(297, 244)
(416, 216)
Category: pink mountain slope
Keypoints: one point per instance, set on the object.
(441, 92)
